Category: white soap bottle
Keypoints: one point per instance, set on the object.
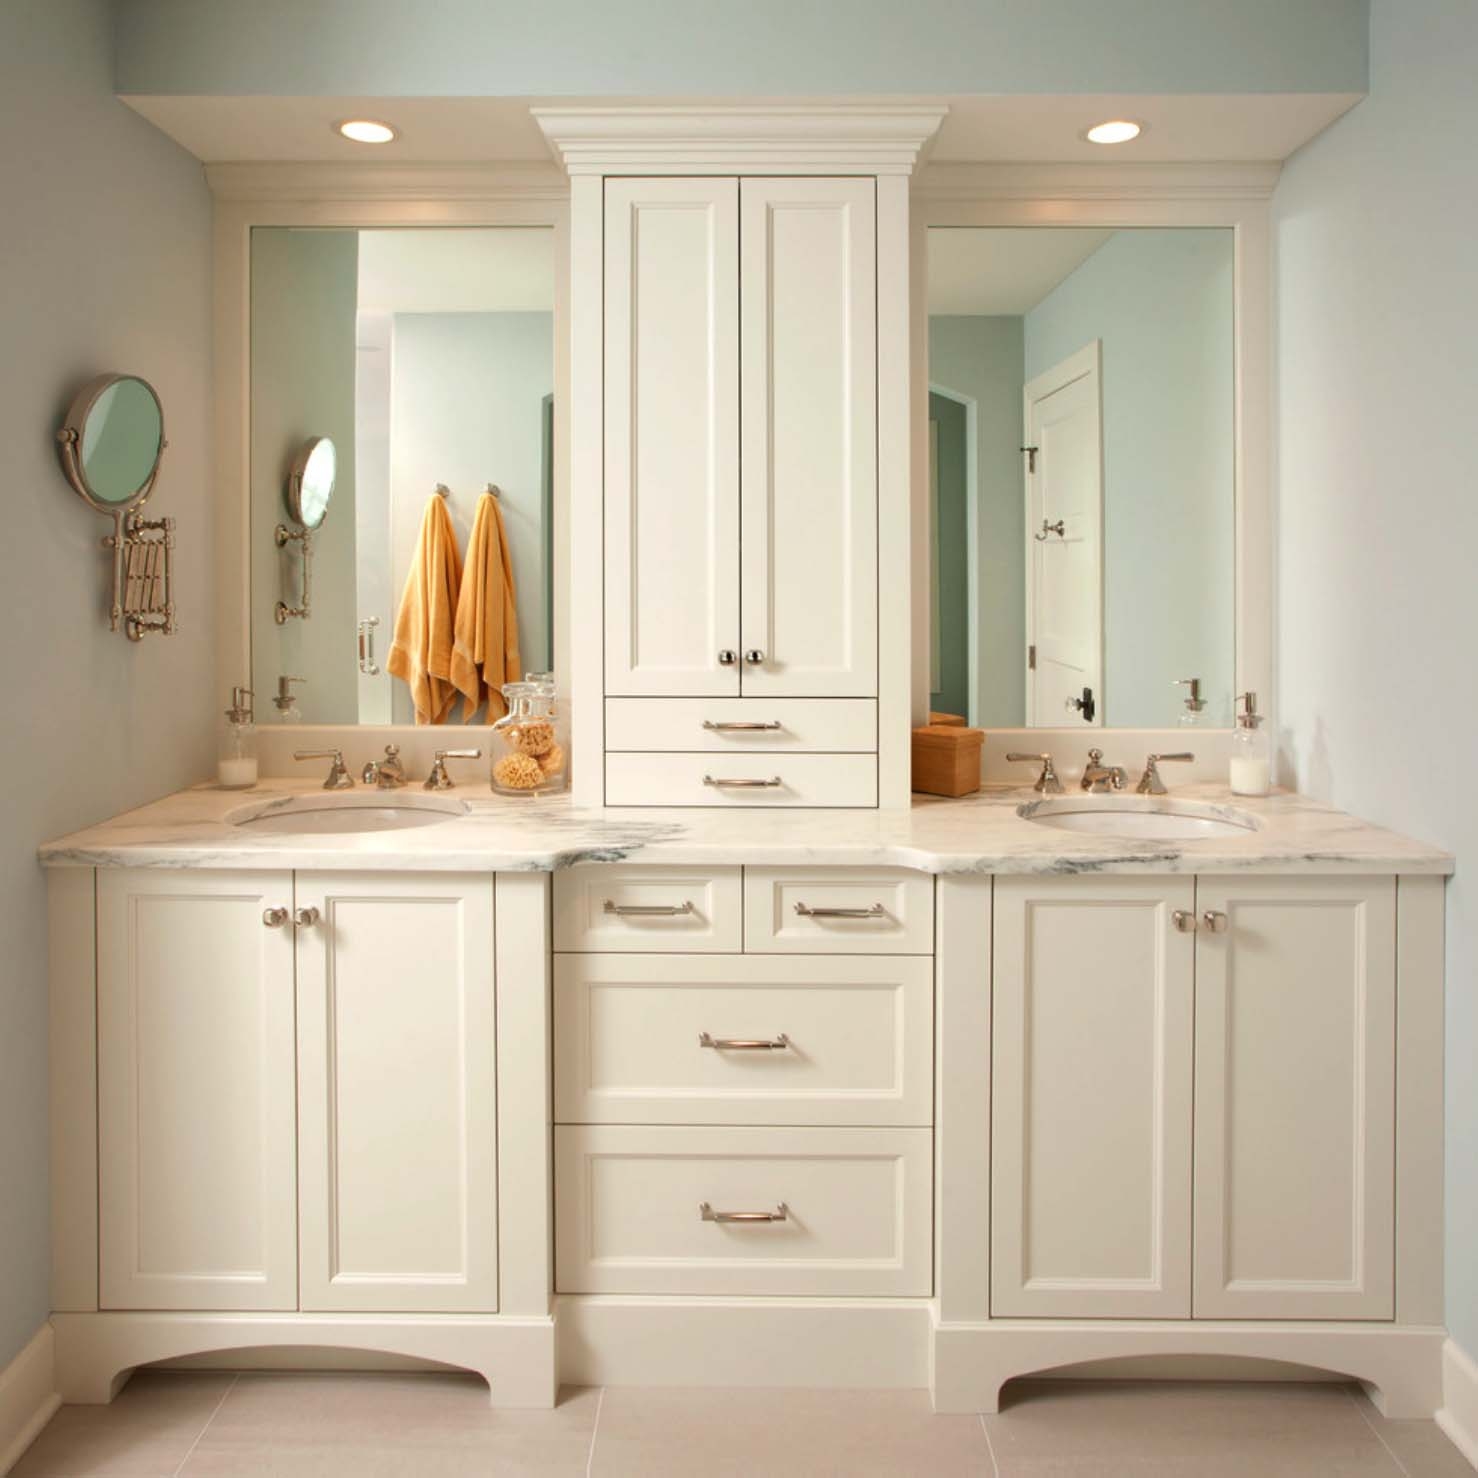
(236, 758)
(1252, 751)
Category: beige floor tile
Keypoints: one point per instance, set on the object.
(1422, 1448)
(386, 1426)
(144, 1433)
(654, 1433)
(1196, 1430)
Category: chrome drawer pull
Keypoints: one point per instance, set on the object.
(806, 912)
(722, 784)
(737, 726)
(647, 910)
(707, 1213)
(744, 1044)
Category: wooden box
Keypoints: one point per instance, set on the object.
(946, 759)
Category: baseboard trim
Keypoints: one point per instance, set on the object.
(28, 1396)
(1458, 1414)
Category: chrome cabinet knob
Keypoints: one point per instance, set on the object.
(1214, 921)
(305, 918)
(1184, 920)
(274, 918)
(727, 658)
(754, 656)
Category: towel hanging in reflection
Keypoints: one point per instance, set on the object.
(425, 625)
(485, 650)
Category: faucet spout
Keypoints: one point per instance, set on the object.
(1099, 778)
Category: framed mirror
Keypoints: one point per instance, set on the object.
(112, 441)
(310, 483)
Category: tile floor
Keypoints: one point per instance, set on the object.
(436, 1426)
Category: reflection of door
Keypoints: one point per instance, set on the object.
(1064, 544)
(949, 615)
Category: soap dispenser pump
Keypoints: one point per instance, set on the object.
(1194, 702)
(286, 701)
(236, 759)
(1252, 751)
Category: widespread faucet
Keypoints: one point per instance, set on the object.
(339, 778)
(1101, 778)
(385, 774)
(1150, 782)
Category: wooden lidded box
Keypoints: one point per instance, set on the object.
(946, 759)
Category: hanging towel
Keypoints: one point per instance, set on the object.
(421, 653)
(485, 655)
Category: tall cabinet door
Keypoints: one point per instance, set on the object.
(1295, 1098)
(397, 1101)
(808, 261)
(672, 437)
(1091, 1101)
(196, 1194)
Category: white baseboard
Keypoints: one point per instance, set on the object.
(28, 1397)
(1458, 1416)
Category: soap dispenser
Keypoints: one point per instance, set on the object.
(286, 701)
(1252, 751)
(1194, 702)
(236, 759)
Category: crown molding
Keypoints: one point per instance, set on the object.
(1037, 182)
(374, 182)
(773, 139)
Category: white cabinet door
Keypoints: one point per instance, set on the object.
(397, 1103)
(808, 261)
(195, 1091)
(671, 437)
(1295, 1098)
(1091, 1103)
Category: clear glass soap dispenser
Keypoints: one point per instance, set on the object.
(1252, 751)
(1195, 704)
(236, 758)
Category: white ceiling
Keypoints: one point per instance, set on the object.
(1017, 128)
(1003, 272)
(505, 270)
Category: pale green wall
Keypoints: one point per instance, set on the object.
(1161, 302)
(1377, 372)
(105, 241)
(481, 48)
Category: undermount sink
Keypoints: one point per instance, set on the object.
(1138, 817)
(337, 815)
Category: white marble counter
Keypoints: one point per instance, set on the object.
(981, 833)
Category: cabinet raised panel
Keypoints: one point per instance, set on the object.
(196, 1159)
(1091, 1116)
(1295, 1099)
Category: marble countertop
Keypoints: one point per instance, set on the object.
(980, 833)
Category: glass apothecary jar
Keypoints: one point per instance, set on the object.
(236, 748)
(530, 748)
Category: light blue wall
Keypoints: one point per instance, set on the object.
(1161, 301)
(1375, 226)
(981, 358)
(714, 47)
(105, 241)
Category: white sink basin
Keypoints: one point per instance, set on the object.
(1138, 817)
(329, 814)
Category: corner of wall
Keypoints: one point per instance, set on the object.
(1458, 1416)
(28, 1397)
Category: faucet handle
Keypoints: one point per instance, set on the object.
(1047, 781)
(338, 777)
(1150, 782)
(439, 779)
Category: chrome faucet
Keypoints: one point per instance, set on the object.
(338, 777)
(438, 779)
(1101, 778)
(1150, 782)
(385, 774)
(1047, 781)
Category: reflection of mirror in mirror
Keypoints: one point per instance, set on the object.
(1081, 475)
(419, 357)
(121, 440)
(312, 485)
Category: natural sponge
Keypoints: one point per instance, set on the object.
(535, 737)
(552, 761)
(518, 772)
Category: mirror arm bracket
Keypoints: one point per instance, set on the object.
(304, 609)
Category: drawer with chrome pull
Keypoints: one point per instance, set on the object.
(614, 906)
(673, 1039)
(742, 725)
(737, 781)
(718, 1211)
(805, 910)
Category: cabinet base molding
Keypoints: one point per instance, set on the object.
(1400, 1366)
(28, 1396)
(96, 1353)
(1458, 1414)
(610, 1339)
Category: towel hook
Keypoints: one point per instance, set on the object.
(495, 490)
(443, 491)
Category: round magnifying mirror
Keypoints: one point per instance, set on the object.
(310, 484)
(112, 441)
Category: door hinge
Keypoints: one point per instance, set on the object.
(1031, 658)
(1031, 457)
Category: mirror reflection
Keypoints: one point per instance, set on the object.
(420, 364)
(1081, 476)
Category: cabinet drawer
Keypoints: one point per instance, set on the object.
(637, 1208)
(684, 780)
(608, 906)
(641, 1039)
(742, 725)
(800, 910)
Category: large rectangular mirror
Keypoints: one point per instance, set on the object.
(425, 357)
(1082, 482)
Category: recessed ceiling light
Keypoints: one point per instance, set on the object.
(1115, 131)
(367, 131)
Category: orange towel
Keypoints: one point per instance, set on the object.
(485, 652)
(421, 653)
